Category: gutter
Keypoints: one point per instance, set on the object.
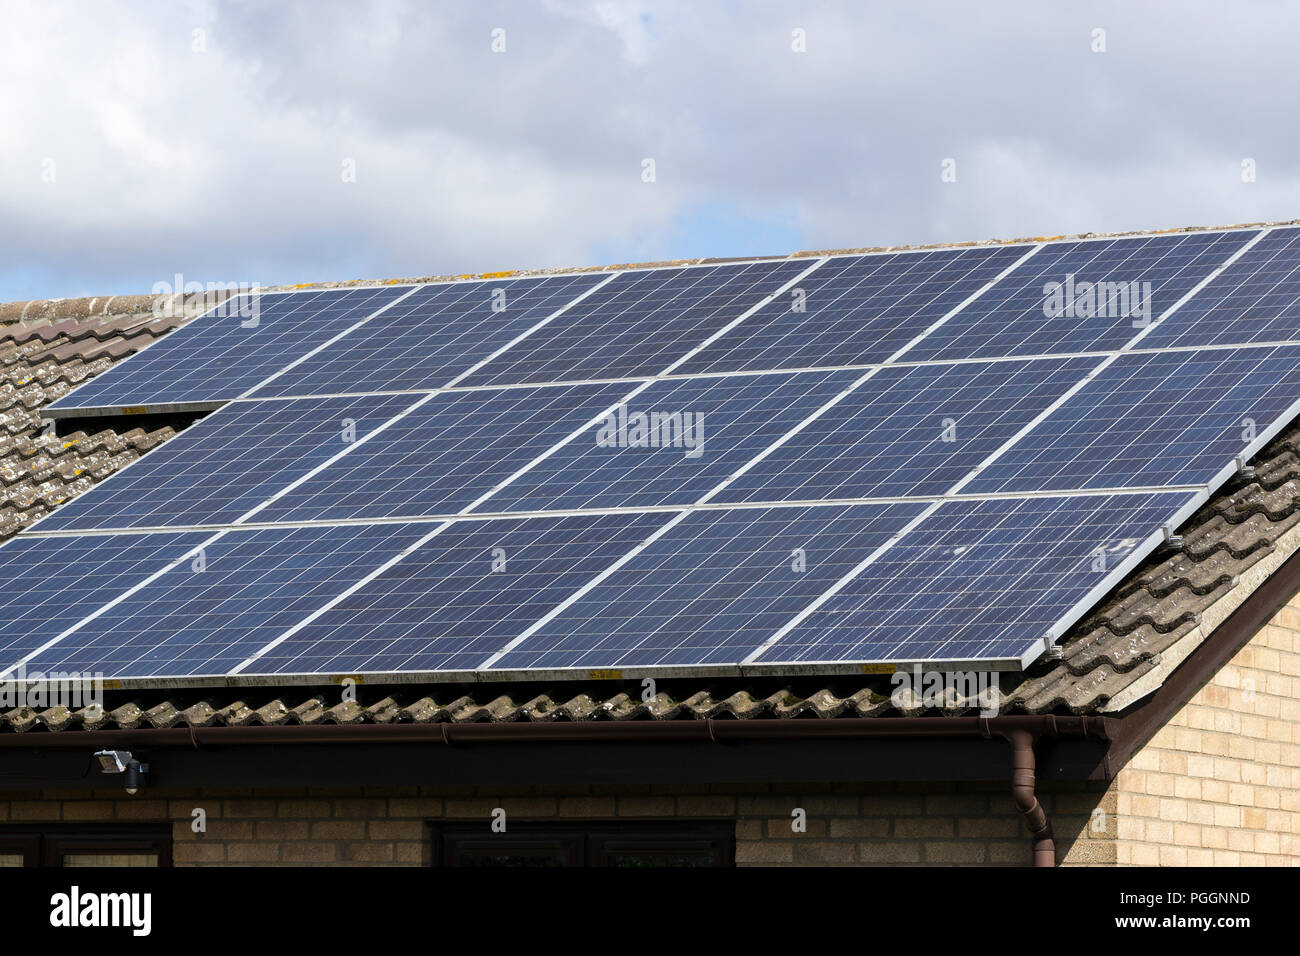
(717, 731)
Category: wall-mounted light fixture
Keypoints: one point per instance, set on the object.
(121, 761)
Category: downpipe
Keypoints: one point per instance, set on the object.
(1022, 791)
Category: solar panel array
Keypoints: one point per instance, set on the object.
(936, 456)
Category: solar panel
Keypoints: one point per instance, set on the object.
(1256, 299)
(205, 618)
(459, 598)
(366, 457)
(52, 583)
(980, 580)
(710, 589)
(231, 461)
(1020, 316)
(702, 429)
(1155, 419)
(957, 503)
(434, 335)
(640, 323)
(855, 310)
(909, 431)
(446, 454)
(221, 355)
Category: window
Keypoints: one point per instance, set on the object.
(105, 845)
(636, 843)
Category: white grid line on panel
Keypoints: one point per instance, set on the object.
(324, 345)
(754, 373)
(999, 452)
(529, 331)
(344, 595)
(639, 509)
(554, 448)
(72, 629)
(777, 444)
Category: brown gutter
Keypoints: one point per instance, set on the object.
(717, 731)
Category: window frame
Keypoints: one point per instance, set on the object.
(45, 845)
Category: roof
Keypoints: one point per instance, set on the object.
(1117, 655)
(41, 360)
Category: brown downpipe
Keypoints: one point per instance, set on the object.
(1022, 790)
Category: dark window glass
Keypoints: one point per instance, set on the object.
(106, 845)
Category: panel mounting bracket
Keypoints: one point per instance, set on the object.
(1243, 469)
(1171, 540)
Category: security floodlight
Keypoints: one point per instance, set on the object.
(113, 761)
(121, 761)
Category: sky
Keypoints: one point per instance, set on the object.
(301, 142)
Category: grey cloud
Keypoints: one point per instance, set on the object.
(226, 164)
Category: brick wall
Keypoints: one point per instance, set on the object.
(863, 824)
(1219, 784)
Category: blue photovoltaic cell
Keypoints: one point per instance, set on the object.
(233, 460)
(434, 335)
(909, 430)
(1256, 299)
(977, 580)
(216, 357)
(1153, 419)
(52, 583)
(1013, 317)
(461, 596)
(712, 588)
(639, 324)
(855, 310)
(726, 420)
(445, 454)
(253, 586)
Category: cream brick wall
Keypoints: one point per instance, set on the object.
(846, 824)
(1219, 784)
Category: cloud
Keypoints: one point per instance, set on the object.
(221, 153)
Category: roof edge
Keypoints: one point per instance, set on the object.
(39, 311)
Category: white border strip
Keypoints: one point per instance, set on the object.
(630, 509)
